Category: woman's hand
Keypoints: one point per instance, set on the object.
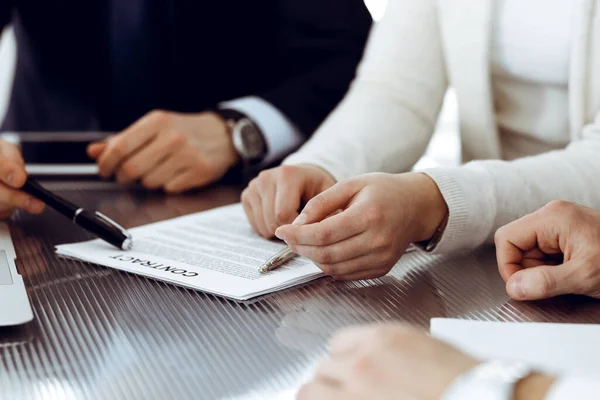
(551, 252)
(381, 362)
(275, 197)
(359, 228)
(386, 362)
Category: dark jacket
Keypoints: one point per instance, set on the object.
(299, 55)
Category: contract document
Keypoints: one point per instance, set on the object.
(214, 251)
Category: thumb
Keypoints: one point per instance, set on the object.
(545, 281)
(327, 203)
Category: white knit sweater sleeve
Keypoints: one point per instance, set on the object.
(392, 107)
(570, 388)
(482, 196)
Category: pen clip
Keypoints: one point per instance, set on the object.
(113, 223)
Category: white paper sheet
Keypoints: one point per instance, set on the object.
(553, 348)
(215, 251)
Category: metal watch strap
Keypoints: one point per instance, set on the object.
(229, 115)
(494, 380)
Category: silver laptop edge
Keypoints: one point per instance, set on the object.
(15, 308)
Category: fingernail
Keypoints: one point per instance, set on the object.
(279, 234)
(300, 220)
(516, 287)
(11, 179)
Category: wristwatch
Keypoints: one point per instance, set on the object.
(248, 140)
(494, 380)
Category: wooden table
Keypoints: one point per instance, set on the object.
(103, 334)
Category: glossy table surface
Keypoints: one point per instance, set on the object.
(103, 334)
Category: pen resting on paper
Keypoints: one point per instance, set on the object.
(277, 260)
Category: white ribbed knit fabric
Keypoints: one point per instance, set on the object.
(385, 122)
(575, 388)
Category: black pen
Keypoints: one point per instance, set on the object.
(96, 223)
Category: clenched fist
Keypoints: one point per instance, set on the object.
(551, 252)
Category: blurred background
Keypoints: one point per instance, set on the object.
(444, 149)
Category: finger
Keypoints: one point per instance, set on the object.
(348, 249)
(534, 253)
(12, 171)
(267, 195)
(328, 202)
(164, 171)
(531, 263)
(547, 281)
(334, 229)
(95, 149)
(12, 152)
(321, 390)
(513, 240)
(257, 216)
(12, 198)
(248, 209)
(186, 180)
(364, 267)
(288, 200)
(122, 146)
(153, 153)
(535, 258)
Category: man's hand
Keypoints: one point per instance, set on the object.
(383, 362)
(359, 228)
(168, 150)
(12, 178)
(393, 361)
(551, 252)
(276, 196)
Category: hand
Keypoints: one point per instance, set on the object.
(551, 252)
(380, 216)
(386, 362)
(276, 196)
(168, 150)
(381, 362)
(12, 178)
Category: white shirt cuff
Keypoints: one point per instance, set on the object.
(281, 135)
(569, 388)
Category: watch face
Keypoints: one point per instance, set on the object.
(253, 143)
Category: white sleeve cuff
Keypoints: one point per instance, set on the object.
(570, 388)
(469, 194)
(281, 135)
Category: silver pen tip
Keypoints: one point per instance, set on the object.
(127, 244)
(265, 268)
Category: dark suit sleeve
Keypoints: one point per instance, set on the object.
(322, 43)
